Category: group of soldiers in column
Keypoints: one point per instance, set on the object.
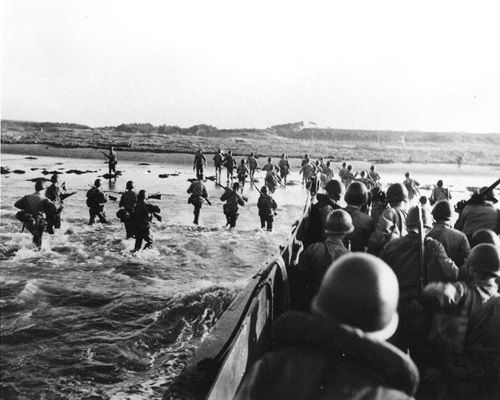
(396, 301)
(41, 210)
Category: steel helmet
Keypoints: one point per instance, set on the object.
(334, 189)
(484, 236)
(338, 222)
(442, 211)
(485, 257)
(362, 291)
(397, 192)
(412, 219)
(142, 195)
(357, 194)
(54, 178)
(39, 185)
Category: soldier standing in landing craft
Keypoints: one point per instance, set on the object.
(391, 223)
(454, 242)
(479, 214)
(402, 255)
(324, 206)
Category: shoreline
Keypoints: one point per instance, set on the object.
(440, 170)
(44, 150)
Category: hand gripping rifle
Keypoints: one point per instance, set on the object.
(476, 198)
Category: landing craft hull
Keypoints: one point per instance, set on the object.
(242, 334)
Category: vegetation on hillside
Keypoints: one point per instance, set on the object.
(294, 139)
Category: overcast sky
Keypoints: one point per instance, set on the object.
(398, 65)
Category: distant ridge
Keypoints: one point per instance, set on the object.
(294, 139)
(295, 130)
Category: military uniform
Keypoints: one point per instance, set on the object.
(95, 202)
(143, 214)
(314, 359)
(267, 206)
(390, 225)
(402, 255)
(232, 199)
(454, 242)
(478, 216)
(35, 209)
(473, 373)
(127, 202)
(313, 263)
(363, 228)
(198, 193)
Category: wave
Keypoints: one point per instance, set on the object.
(116, 343)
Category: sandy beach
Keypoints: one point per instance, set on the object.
(438, 170)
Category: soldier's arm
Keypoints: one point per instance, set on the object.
(21, 203)
(383, 228)
(449, 271)
(445, 294)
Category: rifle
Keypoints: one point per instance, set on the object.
(226, 188)
(476, 197)
(64, 196)
(155, 196)
(421, 248)
(275, 213)
(158, 217)
(253, 183)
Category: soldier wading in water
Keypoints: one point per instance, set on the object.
(36, 209)
(198, 192)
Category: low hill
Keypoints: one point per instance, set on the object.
(294, 139)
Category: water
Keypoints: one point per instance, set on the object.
(84, 318)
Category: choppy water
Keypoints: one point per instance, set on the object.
(84, 318)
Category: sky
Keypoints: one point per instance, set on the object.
(383, 65)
